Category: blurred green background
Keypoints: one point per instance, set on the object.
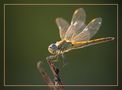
(26, 45)
(29, 31)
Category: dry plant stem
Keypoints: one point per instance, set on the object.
(45, 76)
(55, 71)
(53, 85)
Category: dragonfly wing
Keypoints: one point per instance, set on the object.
(89, 31)
(78, 15)
(77, 23)
(63, 26)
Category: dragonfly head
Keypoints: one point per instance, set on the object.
(53, 49)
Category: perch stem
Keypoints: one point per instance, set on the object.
(45, 76)
(55, 71)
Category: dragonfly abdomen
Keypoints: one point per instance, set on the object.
(92, 42)
(100, 40)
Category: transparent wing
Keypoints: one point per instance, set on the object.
(89, 31)
(77, 24)
(78, 16)
(63, 26)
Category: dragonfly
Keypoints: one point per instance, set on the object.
(76, 35)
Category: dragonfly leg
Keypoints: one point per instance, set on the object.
(52, 57)
(64, 61)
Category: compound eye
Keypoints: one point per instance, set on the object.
(53, 46)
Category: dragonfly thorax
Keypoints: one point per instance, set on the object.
(64, 45)
(60, 47)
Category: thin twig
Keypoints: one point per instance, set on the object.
(55, 71)
(45, 76)
(56, 84)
